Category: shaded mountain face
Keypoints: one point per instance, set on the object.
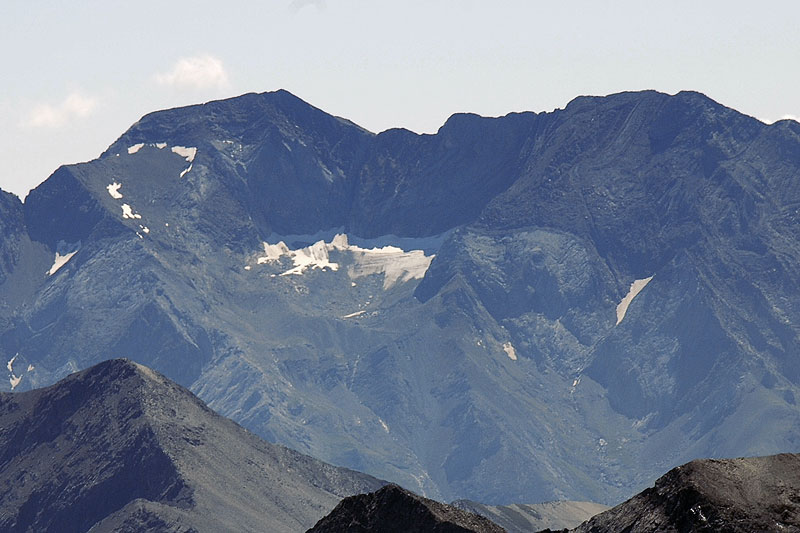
(118, 447)
(736, 495)
(394, 509)
(589, 297)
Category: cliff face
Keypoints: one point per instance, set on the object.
(590, 296)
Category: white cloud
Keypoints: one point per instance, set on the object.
(74, 106)
(297, 5)
(198, 72)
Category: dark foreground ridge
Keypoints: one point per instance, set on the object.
(119, 447)
(394, 509)
(731, 495)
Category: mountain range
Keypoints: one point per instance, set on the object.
(533, 307)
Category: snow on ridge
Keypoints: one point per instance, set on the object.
(161, 145)
(187, 169)
(135, 148)
(635, 289)
(10, 364)
(395, 264)
(183, 151)
(59, 262)
(113, 190)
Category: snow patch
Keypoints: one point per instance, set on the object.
(30, 367)
(127, 212)
(357, 313)
(10, 364)
(161, 145)
(187, 169)
(247, 267)
(14, 380)
(395, 264)
(510, 351)
(135, 148)
(383, 424)
(113, 190)
(60, 261)
(183, 151)
(273, 252)
(144, 228)
(314, 256)
(635, 289)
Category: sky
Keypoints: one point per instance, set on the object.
(76, 75)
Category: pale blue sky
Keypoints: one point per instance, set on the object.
(76, 75)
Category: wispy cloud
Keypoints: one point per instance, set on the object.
(197, 72)
(74, 106)
(297, 5)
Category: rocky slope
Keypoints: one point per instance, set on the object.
(394, 509)
(534, 307)
(118, 447)
(732, 495)
(522, 518)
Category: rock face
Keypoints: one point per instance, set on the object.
(590, 296)
(394, 509)
(118, 447)
(523, 518)
(735, 495)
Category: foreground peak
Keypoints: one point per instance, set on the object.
(395, 509)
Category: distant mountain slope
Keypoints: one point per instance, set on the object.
(589, 296)
(118, 447)
(394, 509)
(732, 495)
(522, 518)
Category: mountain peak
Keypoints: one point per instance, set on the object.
(394, 509)
(736, 495)
(107, 444)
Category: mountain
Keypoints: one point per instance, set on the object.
(394, 509)
(523, 518)
(735, 495)
(526, 308)
(119, 447)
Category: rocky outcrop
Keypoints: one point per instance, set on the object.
(394, 509)
(732, 495)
